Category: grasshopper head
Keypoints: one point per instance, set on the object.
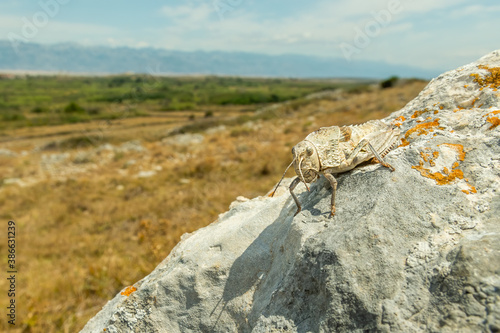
(306, 161)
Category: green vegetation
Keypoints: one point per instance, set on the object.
(390, 82)
(55, 100)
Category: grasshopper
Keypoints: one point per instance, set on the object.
(333, 150)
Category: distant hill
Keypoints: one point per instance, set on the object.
(75, 58)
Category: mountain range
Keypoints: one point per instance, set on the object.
(75, 58)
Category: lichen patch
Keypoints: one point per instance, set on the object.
(418, 113)
(494, 121)
(420, 129)
(491, 80)
(442, 166)
(128, 291)
(399, 121)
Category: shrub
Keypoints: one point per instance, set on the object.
(73, 107)
(39, 109)
(390, 82)
(13, 116)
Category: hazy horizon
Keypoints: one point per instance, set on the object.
(428, 34)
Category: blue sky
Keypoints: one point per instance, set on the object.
(429, 33)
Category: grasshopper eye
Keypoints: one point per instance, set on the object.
(309, 151)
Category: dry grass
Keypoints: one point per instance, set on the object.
(88, 229)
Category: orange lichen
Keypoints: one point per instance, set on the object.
(440, 178)
(428, 157)
(471, 189)
(494, 121)
(421, 121)
(474, 101)
(419, 112)
(424, 128)
(399, 121)
(466, 85)
(492, 80)
(445, 176)
(128, 291)
(420, 129)
(458, 148)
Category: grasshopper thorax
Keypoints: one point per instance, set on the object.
(306, 161)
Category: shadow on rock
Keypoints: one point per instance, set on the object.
(249, 269)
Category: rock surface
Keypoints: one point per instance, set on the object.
(414, 250)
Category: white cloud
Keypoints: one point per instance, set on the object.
(428, 6)
(475, 9)
(187, 14)
(52, 31)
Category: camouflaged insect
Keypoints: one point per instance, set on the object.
(333, 150)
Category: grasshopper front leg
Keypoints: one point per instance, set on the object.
(294, 183)
(333, 182)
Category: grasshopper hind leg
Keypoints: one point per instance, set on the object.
(360, 146)
(379, 158)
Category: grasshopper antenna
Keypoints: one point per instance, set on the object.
(302, 176)
(288, 167)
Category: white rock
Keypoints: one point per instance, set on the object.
(407, 251)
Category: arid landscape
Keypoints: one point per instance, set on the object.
(103, 175)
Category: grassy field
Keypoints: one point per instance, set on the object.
(100, 201)
(48, 100)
